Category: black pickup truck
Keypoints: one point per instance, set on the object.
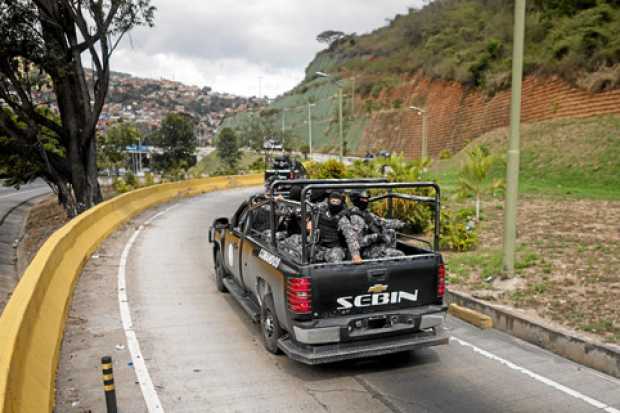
(321, 312)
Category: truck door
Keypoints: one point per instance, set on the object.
(256, 231)
(232, 244)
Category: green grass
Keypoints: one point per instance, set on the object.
(211, 163)
(577, 158)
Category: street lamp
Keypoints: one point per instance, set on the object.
(310, 105)
(340, 130)
(284, 119)
(424, 131)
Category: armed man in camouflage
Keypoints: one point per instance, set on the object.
(376, 235)
(336, 231)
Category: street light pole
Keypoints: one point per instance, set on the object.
(424, 149)
(353, 97)
(340, 123)
(310, 127)
(512, 168)
(340, 126)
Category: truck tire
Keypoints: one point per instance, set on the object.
(270, 327)
(220, 273)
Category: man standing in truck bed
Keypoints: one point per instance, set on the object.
(335, 230)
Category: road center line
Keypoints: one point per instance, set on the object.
(567, 390)
(142, 374)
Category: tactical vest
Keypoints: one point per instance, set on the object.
(330, 237)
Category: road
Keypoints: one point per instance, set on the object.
(10, 197)
(202, 353)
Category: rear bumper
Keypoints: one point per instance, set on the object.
(329, 353)
(348, 328)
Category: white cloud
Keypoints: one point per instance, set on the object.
(228, 45)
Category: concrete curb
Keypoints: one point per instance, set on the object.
(581, 349)
(473, 317)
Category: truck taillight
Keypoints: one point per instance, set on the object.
(299, 295)
(441, 280)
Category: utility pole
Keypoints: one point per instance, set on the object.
(353, 97)
(512, 169)
(283, 119)
(340, 122)
(340, 127)
(424, 146)
(310, 127)
(424, 135)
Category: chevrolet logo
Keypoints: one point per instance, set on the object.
(377, 288)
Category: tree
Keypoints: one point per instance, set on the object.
(52, 104)
(112, 147)
(329, 36)
(177, 139)
(305, 150)
(227, 147)
(254, 129)
(474, 176)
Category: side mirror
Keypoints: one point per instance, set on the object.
(221, 223)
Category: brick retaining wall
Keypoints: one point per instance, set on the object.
(457, 114)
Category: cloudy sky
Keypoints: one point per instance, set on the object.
(228, 45)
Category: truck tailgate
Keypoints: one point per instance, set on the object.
(344, 289)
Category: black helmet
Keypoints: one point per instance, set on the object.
(359, 198)
(317, 195)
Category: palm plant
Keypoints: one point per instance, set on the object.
(474, 178)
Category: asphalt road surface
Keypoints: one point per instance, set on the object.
(202, 354)
(10, 197)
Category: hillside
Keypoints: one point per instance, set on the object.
(453, 58)
(576, 158)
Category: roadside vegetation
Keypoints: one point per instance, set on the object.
(470, 41)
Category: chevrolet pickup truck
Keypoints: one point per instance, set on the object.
(318, 312)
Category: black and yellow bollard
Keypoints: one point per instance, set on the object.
(108, 384)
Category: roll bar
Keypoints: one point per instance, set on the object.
(281, 182)
(368, 185)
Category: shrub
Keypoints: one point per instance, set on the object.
(149, 179)
(457, 231)
(331, 168)
(131, 180)
(120, 186)
(417, 216)
(257, 165)
(445, 154)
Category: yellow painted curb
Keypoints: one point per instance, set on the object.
(473, 317)
(32, 323)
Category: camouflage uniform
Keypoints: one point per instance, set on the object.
(292, 246)
(361, 232)
(384, 244)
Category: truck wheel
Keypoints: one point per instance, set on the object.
(270, 326)
(220, 273)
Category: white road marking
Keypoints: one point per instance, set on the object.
(567, 390)
(142, 374)
(19, 193)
